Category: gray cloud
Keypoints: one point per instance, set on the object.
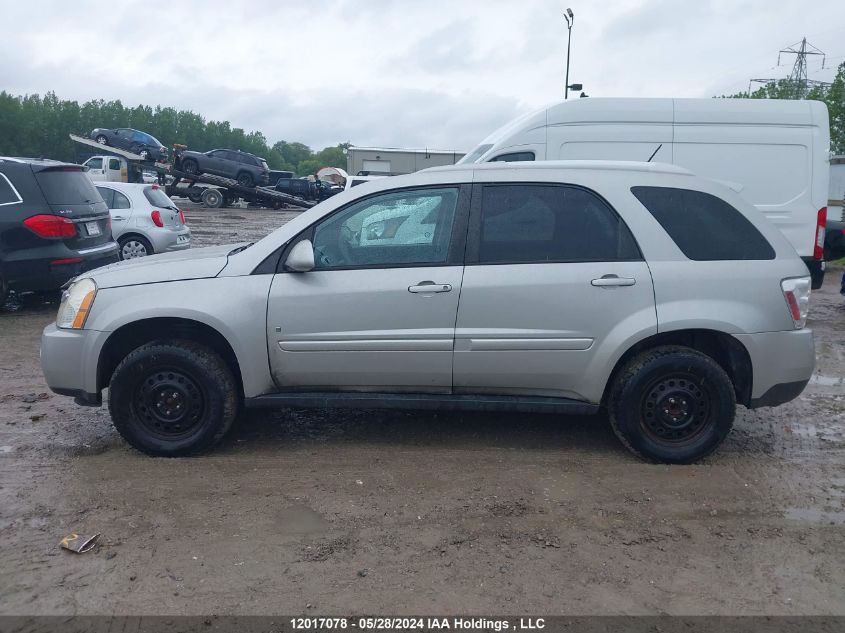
(439, 74)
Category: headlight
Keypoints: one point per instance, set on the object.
(76, 304)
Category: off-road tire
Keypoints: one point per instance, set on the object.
(642, 419)
(210, 396)
(245, 179)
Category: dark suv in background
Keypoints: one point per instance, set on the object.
(249, 170)
(145, 145)
(53, 225)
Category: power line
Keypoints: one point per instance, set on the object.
(798, 84)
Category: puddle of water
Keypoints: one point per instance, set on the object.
(6, 449)
(827, 381)
(300, 519)
(814, 515)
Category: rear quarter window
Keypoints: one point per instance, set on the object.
(8, 194)
(703, 226)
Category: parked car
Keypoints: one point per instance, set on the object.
(558, 287)
(247, 169)
(774, 152)
(307, 189)
(834, 240)
(107, 168)
(275, 174)
(146, 146)
(354, 181)
(144, 220)
(53, 225)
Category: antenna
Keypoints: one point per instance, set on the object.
(654, 153)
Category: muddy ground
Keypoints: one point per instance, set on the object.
(390, 512)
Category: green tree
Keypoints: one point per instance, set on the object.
(32, 125)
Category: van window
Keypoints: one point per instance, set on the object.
(94, 163)
(8, 194)
(704, 227)
(114, 164)
(529, 223)
(513, 157)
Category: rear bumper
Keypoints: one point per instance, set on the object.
(782, 364)
(165, 240)
(35, 270)
(817, 268)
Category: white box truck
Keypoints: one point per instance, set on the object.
(774, 152)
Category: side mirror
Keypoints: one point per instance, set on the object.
(301, 257)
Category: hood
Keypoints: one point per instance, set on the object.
(194, 263)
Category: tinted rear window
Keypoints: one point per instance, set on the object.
(66, 186)
(704, 227)
(158, 198)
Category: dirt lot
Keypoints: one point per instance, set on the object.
(315, 512)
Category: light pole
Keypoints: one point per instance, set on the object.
(570, 20)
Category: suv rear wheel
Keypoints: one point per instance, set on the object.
(245, 179)
(172, 398)
(189, 166)
(672, 404)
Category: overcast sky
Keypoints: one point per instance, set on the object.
(400, 73)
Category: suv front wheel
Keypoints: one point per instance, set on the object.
(672, 404)
(172, 398)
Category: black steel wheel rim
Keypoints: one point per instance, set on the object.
(676, 409)
(169, 403)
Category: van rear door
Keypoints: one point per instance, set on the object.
(777, 151)
(70, 194)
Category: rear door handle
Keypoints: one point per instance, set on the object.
(612, 281)
(429, 287)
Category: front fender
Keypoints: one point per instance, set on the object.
(236, 307)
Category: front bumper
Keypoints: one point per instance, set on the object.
(69, 362)
(782, 365)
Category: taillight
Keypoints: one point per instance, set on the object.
(182, 217)
(156, 216)
(821, 223)
(796, 291)
(50, 226)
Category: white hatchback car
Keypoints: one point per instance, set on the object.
(144, 219)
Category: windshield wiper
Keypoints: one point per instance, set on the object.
(234, 251)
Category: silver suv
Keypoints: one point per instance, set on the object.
(570, 287)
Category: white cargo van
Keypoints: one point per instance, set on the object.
(107, 169)
(774, 152)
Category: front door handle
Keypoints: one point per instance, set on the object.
(429, 287)
(612, 281)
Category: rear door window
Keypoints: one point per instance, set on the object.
(120, 201)
(535, 223)
(107, 195)
(8, 194)
(703, 226)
